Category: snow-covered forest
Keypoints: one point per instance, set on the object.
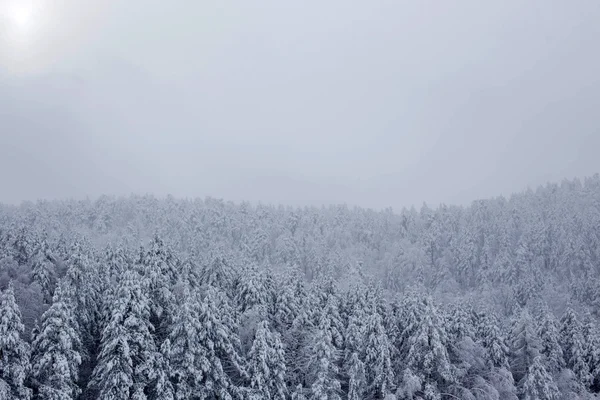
(147, 298)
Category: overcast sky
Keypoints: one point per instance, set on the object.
(371, 103)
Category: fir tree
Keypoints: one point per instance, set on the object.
(493, 341)
(322, 366)
(159, 268)
(55, 352)
(591, 338)
(42, 271)
(539, 384)
(574, 348)
(220, 362)
(186, 356)
(459, 324)
(218, 274)
(14, 351)
(378, 364)
(128, 364)
(427, 359)
(550, 343)
(355, 370)
(267, 364)
(525, 346)
(285, 308)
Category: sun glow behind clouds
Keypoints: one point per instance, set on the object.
(39, 35)
(17, 18)
(21, 14)
(19, 23)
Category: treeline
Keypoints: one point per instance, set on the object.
(149, 299)
(543, 243)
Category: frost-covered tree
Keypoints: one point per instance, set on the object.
(427, 362)
(266, 365)
(218, 273)
(129, 362)
(573, 346)
(377, 358)
(215, 359)
(322, 369)
(24, 245)
(285, 308)
(538, 384)
(355, 370)
(459, 324)
(14, 351)
(591, 336)
(43, 272)
(492, 339)
(524, 346)
(550, 349)
(160, 270)
(253, 291)
(55, 352)
(353, 366)
(186, 355)
(296, 342)
(82, 285)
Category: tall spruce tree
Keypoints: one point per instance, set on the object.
(14, 351)
(56, 357)
(322, 366)
(573, 346)
(538, 384)
(266, 365)
(550, 343)
(377, 359)
(128, 364)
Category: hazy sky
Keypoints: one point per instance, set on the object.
(372, 103)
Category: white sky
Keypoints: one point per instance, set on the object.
(372, 103)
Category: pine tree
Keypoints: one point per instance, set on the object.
(218, 274)
(550, 343)
(83, 285)
(571, 337)
(355, 370)
(539, 384)
(14, 351)
(322, 366)
(493, 341)
(330, 311)
(296, 341)
(55, 352)
(187, 357)
(459, 324)
(353, 366)
(427, 359)
(267, 364)
(42, 271)
(160, 271)
(525, 346)
(378, 364)
(24, 244)
(285, 308)
(220, 344)
(591, 338)
(252, 291)
(128, 364)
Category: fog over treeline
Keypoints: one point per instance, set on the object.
(375, 105)
(158, 298)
